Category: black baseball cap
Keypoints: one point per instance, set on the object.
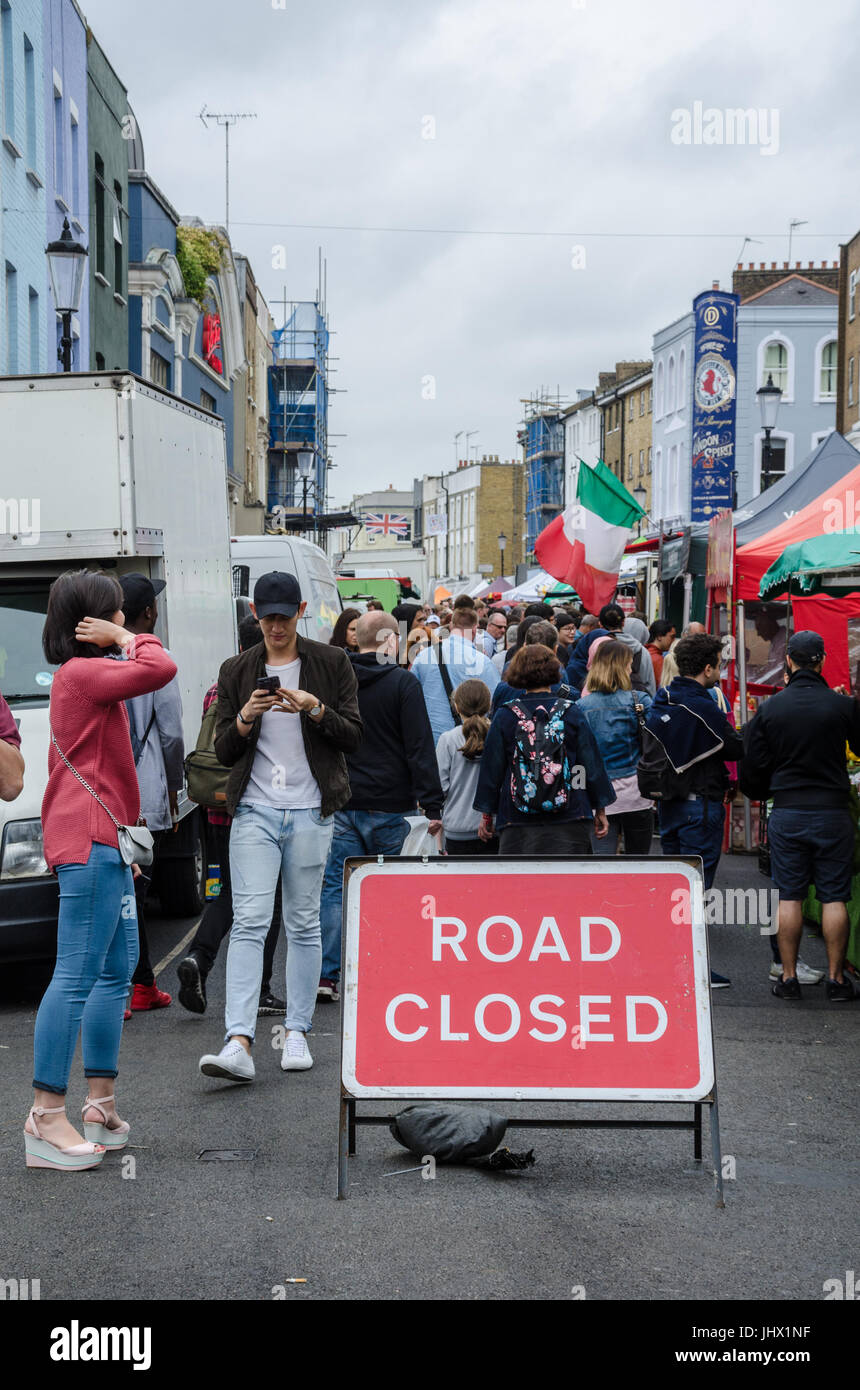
(807, 645)
(138, 592)
(277, 593)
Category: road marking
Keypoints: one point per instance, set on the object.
(157, 969)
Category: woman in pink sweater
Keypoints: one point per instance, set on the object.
(97, 927)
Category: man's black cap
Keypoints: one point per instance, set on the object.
(806, 646)
(277, 593)
(138, 592)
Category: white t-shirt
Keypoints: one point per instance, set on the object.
(280, 774)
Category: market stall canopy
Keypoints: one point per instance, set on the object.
(819, 565)
(829, 461)
(836, 509)
(536, 587)
(491, 586)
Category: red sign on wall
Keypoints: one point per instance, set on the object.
(212, 342)
(576, 980)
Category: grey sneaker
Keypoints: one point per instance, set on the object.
(805, 973)
(232, 1063)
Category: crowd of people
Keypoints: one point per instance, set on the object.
(515, 730)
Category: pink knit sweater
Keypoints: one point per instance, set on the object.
(90, 724)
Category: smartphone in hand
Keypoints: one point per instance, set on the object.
(271, 684)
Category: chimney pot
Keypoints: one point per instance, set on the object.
(761, 265)
(797, 265)
(773, 265)
(715, 284)
(785, 265)
(812, 265)
(823, 265)
(751, 265)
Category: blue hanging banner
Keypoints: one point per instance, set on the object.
(715, 362)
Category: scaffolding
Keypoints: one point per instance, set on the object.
(298, 404)
(542, 438)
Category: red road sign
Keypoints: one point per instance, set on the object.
(577, 980)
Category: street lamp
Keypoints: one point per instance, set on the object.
(503, 540)
(67, 261)
(641, 497)
(769, 397)
(305, 464)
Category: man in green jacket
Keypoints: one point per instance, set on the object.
(287, 715)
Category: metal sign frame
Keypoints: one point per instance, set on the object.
(702, 1093)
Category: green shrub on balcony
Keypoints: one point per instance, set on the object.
(200, 253)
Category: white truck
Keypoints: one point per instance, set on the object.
(105, 471)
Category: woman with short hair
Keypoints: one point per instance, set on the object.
(92, 792)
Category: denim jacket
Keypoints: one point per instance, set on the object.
(613, 722)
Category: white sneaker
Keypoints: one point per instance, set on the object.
(296, 1054)
(805, 973)
(232, 1063)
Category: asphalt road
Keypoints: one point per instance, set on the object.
(622, 1215)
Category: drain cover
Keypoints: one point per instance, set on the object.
(227, 1155)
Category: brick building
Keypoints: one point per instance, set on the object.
(848, 354)
(625, 400)
(480, 501)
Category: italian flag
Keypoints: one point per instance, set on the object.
(584, 545)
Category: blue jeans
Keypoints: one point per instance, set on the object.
(266, 842)
(686, 829)
(356, 833)
(96, 955)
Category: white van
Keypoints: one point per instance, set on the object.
(252, 556)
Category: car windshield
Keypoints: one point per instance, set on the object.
(24, 672)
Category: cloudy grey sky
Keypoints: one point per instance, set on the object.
(452, 257)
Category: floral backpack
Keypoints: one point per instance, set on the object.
(541, 775)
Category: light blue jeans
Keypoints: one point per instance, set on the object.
(96, 955)
(265, 842)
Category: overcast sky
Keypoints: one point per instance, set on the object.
(453, 257)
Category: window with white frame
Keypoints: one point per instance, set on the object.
(852, 293)
(850, 380)
(670, 386)
(682, 378)
(641, 463)
(660, 391)
(630, 407)
(827, 372)
(642, 401)
(649, 458)
(775, 365)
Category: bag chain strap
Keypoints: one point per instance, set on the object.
(83, 783)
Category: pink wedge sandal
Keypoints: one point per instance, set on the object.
(111, 1138)
(41, 1153)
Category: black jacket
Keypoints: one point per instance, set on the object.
(327, 673)
(795, 745)
(697, 736)
(396, 763)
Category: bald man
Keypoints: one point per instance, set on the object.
(392, 773)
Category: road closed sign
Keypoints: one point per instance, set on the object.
(571, 980)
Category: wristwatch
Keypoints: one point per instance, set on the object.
(317, 709)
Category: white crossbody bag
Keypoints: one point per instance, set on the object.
(135, 841)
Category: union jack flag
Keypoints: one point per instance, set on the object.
(387, 524)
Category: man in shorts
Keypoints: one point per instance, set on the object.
(796, 746)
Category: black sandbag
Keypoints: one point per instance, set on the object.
(451, 1136)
